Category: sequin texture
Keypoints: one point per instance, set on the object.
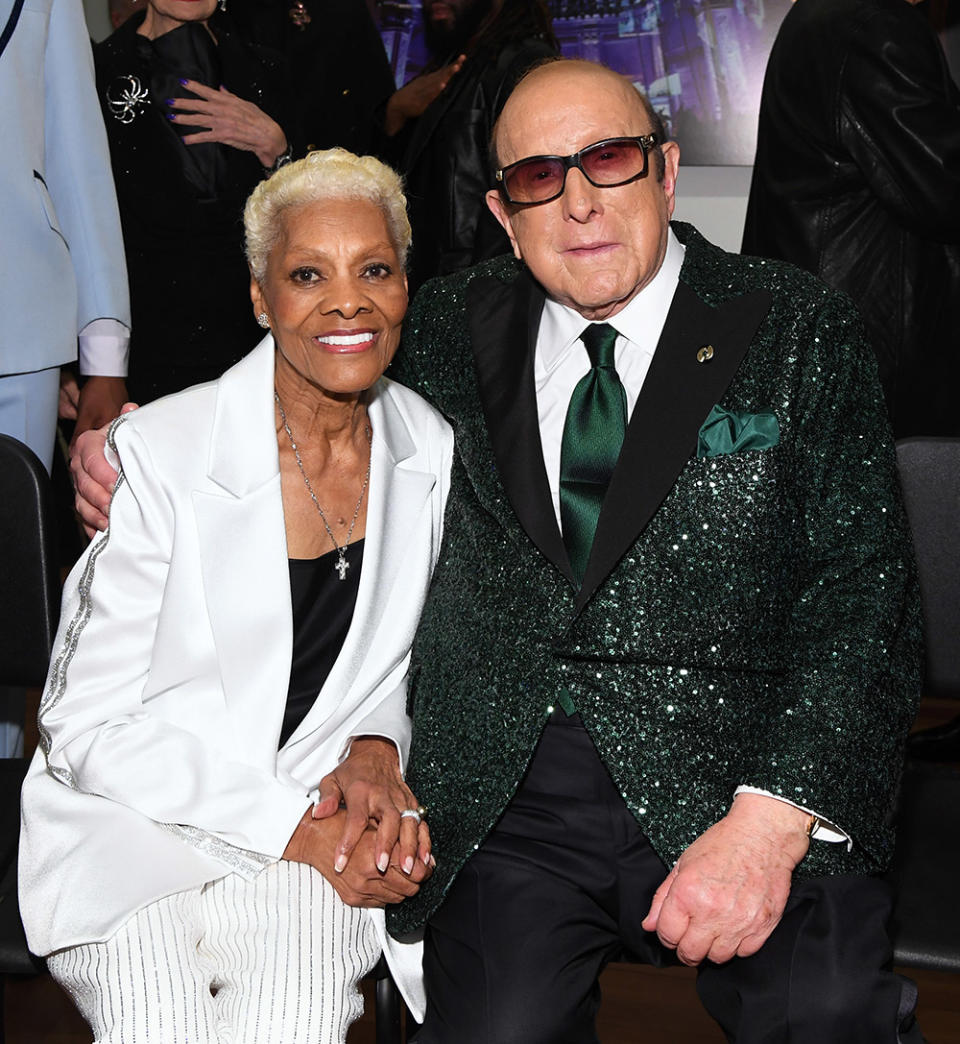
(762, 629)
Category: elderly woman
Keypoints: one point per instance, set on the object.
(194, 116)
(239, 635)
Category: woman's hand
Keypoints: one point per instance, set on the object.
(361, 883)
(369, 784)
(228, 120)
(413, 99)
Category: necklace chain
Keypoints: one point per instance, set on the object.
(342, 565)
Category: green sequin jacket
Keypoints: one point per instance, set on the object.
(750, 617)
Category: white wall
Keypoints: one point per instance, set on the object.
(715, 200)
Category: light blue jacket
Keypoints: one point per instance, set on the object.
(61, 249)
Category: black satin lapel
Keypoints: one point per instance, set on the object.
(504, 319)
(676, 397)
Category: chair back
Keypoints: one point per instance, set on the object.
(930, 477)
(29, 581)
(29, 610)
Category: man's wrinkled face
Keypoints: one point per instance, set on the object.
(593, 248)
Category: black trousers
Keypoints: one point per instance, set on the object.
(560, 888)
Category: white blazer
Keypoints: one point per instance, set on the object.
(158, 769)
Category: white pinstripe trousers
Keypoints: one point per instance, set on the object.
(275, 960)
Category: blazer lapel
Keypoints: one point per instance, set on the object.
(243, 553)
(676, 397)
(504, 318)
(398, 495)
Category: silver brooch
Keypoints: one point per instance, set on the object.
(127, 97)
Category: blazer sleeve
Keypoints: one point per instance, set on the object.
(833, 741)
(101, 736)
(78, 174)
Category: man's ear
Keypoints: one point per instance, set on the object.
(499, 210)
(671, 166)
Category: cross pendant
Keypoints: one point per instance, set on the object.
(342, 565)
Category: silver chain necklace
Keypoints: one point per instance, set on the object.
(342, 565)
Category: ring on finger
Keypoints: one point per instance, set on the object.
(411, 813)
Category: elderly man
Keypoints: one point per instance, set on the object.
(671, 648)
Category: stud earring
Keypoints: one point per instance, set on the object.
(264, 320)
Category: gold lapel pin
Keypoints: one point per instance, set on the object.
(705, 354)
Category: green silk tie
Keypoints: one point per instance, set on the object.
(592, 436)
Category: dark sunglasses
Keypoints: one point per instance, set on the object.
(540, 179)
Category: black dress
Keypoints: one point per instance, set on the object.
(181, 206)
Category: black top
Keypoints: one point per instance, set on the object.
(323, 607)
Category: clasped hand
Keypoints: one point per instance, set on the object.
(368, 852)
(728, 890)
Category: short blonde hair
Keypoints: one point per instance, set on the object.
(325, 175)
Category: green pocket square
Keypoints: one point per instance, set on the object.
(730, 431)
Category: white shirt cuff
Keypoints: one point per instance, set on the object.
(104, 347)
(824, 829)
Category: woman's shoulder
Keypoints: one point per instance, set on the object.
(423, 419)
(170, 429)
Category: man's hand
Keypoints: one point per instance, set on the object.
(101, 399)
(93, 477)
(360, 883)
(728, 890)
(229, 120)
(369, 784)
(413, 99)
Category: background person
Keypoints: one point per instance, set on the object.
(857, 179)
(270, 546)
(441, 123)
(61, 256)
(195, 118)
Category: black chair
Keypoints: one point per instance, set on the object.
(29, 608)
(926, 923)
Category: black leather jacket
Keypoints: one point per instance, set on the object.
(445, 161)
(857, 179)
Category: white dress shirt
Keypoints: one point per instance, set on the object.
(561, 360)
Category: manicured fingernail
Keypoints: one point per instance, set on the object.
(171, 115)
(433, 861)
(340, 863)
(170, 101)
(183, 83)
(408, 864)
(383, 861)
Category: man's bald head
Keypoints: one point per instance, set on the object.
(570, 68)
(593, 247)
